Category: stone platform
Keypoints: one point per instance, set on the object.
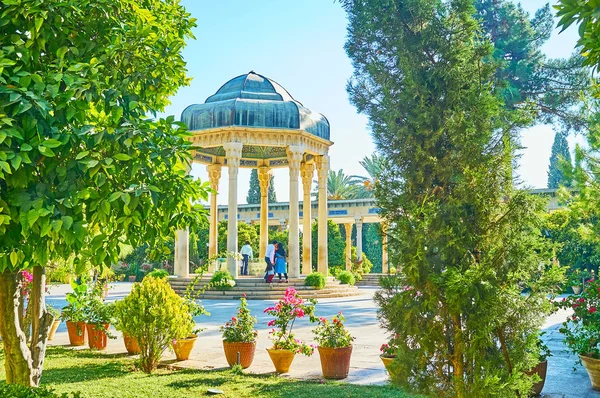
(256, 289)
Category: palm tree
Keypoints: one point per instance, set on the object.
(341, 186)
(373, 165)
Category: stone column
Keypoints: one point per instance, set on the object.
(214, 174)
(233, 154)
(181, 267)
(359, 225)
(295, 155)
(323, 172)
(384, 247)
(348, 228)
(307, 171)
(264, 178)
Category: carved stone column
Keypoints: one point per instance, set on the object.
(348, 228)
(181, 266)
(233, 154)
(359, 226)
(323, 172)
(307, 171)
(264, 178)
(295, 155)
(214, 175)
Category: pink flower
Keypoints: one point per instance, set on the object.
(299, 312)
(322, 320)
(419, 294)
(591, 310)
(27, 276)
(271, 323)
(234, 319)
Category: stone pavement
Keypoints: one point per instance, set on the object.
(360, 312)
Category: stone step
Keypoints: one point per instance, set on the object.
(277, 297)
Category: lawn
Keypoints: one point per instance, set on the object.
(96, 374)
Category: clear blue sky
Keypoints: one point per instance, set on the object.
(299, 44)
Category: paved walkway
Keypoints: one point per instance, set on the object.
(361, 320)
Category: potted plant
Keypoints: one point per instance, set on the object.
(99, 316)
(239, 336)
(576, 279)
(388, 353)
(335, 347)
(183, 344)
(56, 322)
(582, 329)
(541, 368)
(285, 345)
(74, 313)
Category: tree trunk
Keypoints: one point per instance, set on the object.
(23, 364)
(458, 359)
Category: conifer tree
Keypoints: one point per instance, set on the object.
(560, 158)
(253, 196)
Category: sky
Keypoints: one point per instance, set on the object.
(300, 45)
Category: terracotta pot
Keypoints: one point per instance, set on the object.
(335, 362)
(183, 347)
(540, 370)
(282, 359)
(105, 291)
(387, 361)
(246, 351)
(53, 329)
(97, 339)
(593, 368)
(131, 345)
(131, 278)
(76, 333)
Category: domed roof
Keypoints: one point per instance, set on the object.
(252, 100)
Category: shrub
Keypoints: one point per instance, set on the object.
(240, 329)
(158, 273)
(393, 270)
(154, 315)
(315, 279)
(346, 278)
(222, 280)
(333, 334)
(19, 391)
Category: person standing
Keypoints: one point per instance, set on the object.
(247, 254)
(270, 260)
(280, 262)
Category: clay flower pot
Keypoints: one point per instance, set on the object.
(131, 345)
(246, 351)
(593, 368)
(76, 333)
(131, 278)
(540, 370)
(387, 362)
(282, 359)
(335, 362)
(183, 347)
(97, 339)
(53, 328)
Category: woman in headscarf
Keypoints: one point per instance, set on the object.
(280, 263)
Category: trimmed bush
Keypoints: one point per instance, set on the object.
(222, 280)
(158, 273)
(155, 315)
(19, 391)
(315, 279)
(346, 278)
(393, 270)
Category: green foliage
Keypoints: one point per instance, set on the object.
(341, 186)
(240, 329)
(336, 244)
(560, 158)
(426, 78)
(222, 280)
(158, 273)
(18, 391)
(315, 279)
(246, 232)
(372, 246)
(253, 196)
(75, 311)
(346, 278)
(154, 315)
(332, 334)
(584, 14)
(362, 267)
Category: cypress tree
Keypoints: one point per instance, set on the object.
(253, 196)
(560, 161)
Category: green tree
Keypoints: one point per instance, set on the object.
(253, 196)
(246, 232)
(560, 158)
(336, 245)
(468, 243)
(341, 186)
(82, 168)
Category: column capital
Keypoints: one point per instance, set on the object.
(264, 179)
(295, 154)
(358, 221)
(322, 163)
(233, 153)
(307, 171)
(214, 174)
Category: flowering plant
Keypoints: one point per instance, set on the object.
(286, 311)
(333, 334)
(240, 329)
(577, 276)
(582, 328)
(389, 349)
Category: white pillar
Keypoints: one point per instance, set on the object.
(307, 171)
(323, 172)
(295, 155)
(233, 154)
(384, 247)
(214, 174)
(264, 178)
(348, 228)
(181, 267)
(359, 251)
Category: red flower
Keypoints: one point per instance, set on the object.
(271, 323)
(581, 300)
(591, 310)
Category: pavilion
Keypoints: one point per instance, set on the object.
(253, 122)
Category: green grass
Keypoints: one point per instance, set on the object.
(105, 375)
